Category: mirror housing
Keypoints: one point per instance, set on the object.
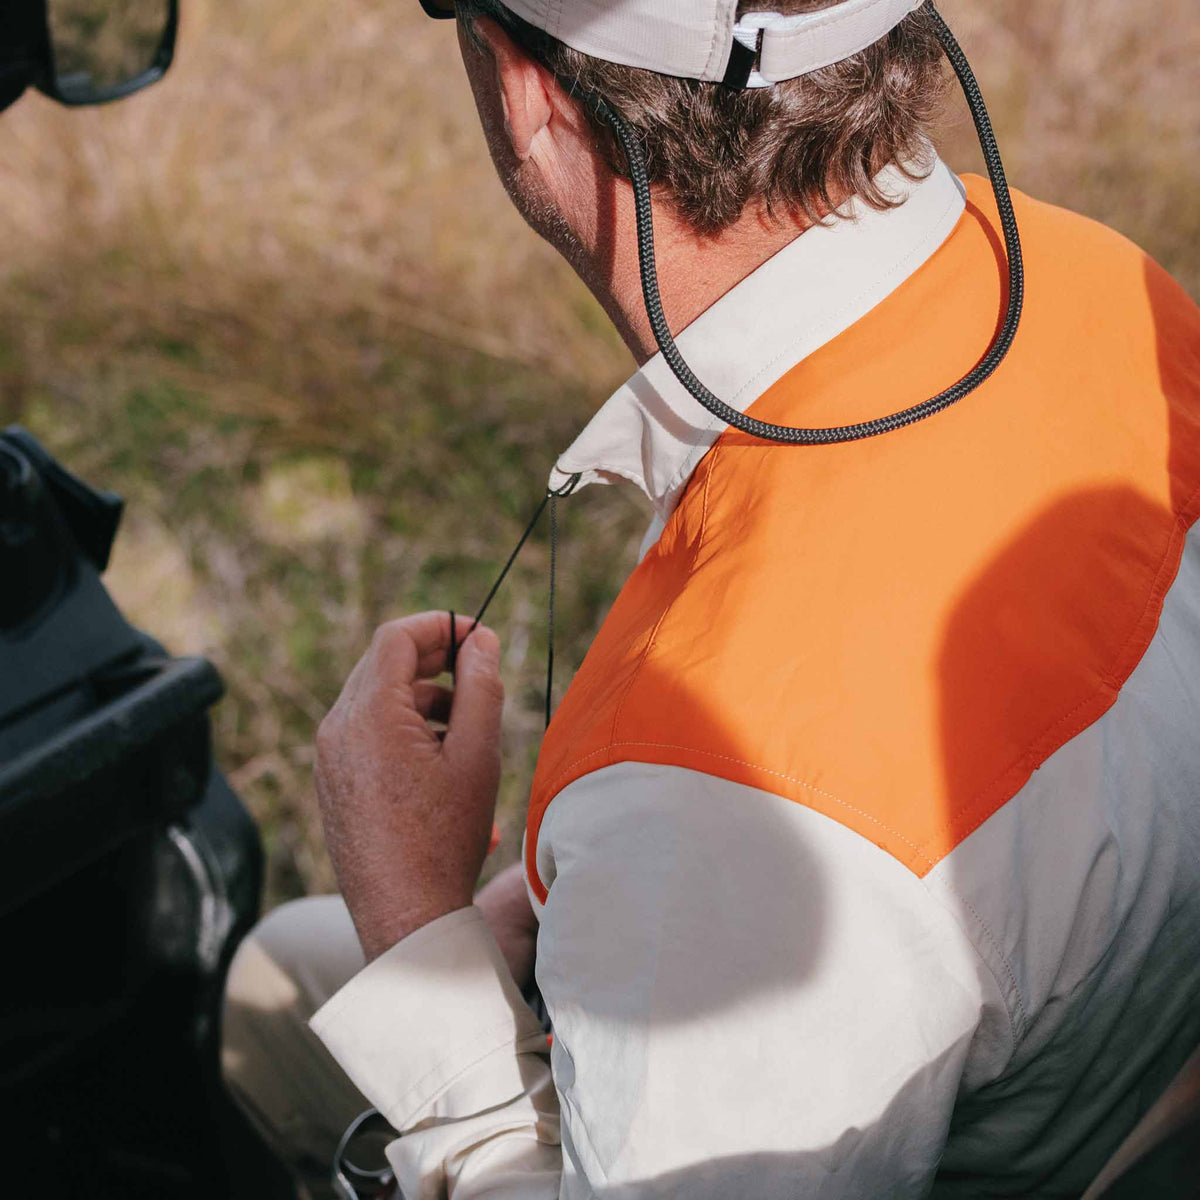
(30, 56)
(73, 34)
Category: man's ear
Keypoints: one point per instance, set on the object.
(525, 87)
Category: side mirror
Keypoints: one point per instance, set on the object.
(101, 50)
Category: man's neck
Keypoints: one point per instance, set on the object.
(694, 271)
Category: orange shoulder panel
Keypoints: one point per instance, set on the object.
(897, 632)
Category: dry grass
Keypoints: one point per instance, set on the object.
(281, 302)
(1097, 106)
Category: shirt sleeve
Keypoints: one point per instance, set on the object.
(436, 1035)
(748, 999)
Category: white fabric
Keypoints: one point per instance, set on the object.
(451, 966)
(804, 1016)
(447, 1050)
(767, 1006)
(699, 1033)
(804, 42)
(653, 433)
(693, 38)
(1083, 894)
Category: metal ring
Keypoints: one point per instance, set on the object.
(351, 1181)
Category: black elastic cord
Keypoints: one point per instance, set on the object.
(551, 498)
(797, 435)
(512, 558)
(550, 608)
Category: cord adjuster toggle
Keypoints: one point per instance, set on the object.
(746, 51)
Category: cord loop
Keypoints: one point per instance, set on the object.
(799, 435)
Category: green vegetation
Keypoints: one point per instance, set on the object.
(282, 305)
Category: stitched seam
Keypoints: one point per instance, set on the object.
(557, 785)
(1109, 684)
(864, 292)
(1012, 1026)
(487, 1037)
(1008, 970)
(986, 929)
(709, 64)
(525, 1044)
(834, 16)
(754, 767)
(1026, 756)
(1182, 524)
(1152, 599)
(983, 925)
(580, 1133)
(874, 285)
(637, 670)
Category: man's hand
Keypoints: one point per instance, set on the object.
(408, 812)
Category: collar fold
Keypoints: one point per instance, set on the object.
(653, 433)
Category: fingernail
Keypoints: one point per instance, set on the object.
(487, 644)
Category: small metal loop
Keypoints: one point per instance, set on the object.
(567, 488)
(352, 1181)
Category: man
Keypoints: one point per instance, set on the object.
(863, 849)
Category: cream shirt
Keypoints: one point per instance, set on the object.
(771, 1006)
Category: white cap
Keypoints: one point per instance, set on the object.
(703, 39)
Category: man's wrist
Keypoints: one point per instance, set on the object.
(379, 932)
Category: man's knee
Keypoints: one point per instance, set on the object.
(297, 956)
(286, 968)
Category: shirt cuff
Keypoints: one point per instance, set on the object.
(440, 1005)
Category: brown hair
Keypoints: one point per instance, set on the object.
(806, 143)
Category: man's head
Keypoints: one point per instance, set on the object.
(712, 150)
(740, 126)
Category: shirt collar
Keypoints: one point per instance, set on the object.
(652, 432)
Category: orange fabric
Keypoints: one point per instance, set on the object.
(897, 632)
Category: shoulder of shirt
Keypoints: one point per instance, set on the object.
(853, 626)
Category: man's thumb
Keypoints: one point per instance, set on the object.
(478, 694)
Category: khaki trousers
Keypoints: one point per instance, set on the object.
(291, 1088)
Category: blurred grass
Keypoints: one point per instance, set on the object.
(281, 303)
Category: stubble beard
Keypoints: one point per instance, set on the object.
(527, 190)
(524, 184)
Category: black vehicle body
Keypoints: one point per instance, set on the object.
(129, 871)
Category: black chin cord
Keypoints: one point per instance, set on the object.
(796, 435)
(550, 499)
